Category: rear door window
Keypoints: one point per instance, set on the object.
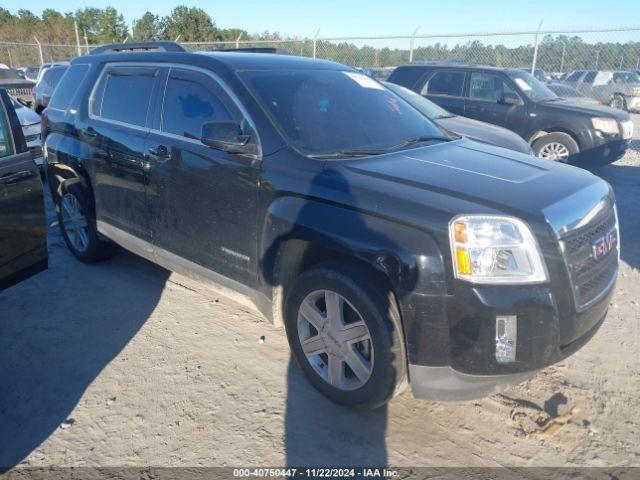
(589, 77)
(68, 86)
(191, 99)
(124, 94)
(446, 82)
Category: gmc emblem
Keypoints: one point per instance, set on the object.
(605, 244)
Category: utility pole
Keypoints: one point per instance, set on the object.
(412, 43)
(75, 26)
(535, 48)
(621, 59)
(10, 60)
(315, 43)
(597, 58)
(238, 40)
(86, 42)
(564, 47)
(39, 51)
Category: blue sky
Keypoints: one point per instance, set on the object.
(373, 17)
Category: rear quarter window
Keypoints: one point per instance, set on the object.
(68, 86)
(406, 76)
(445, 82)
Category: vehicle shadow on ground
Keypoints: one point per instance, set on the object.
(50, 355)
(320, 433)
(625, 181)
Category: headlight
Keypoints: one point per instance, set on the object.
(495, 249)
(605, 125)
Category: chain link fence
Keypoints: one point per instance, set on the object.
(554, 51)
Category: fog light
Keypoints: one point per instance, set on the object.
(506, 334)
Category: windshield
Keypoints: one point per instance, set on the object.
(531, 87)
(565, 91)
(325, 112)
(626, 77)
(417, 101)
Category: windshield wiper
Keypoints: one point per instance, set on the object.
(416, 140)
(348, 154)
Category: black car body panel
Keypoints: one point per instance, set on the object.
(473, 129)
(23, 242)
(529, 119)
(485, 133)
(255, 219)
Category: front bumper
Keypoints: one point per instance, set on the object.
(542, 340)
(444, 384)
(604, 153)
(633, 103)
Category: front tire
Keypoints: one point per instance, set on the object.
(343, 327)
(557, 146)
(78, 226)
(618, 102)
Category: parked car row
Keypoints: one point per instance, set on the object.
(561, 129)
(392, 250)
(619, 89)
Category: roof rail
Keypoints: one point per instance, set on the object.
(136, 46)
(254, 50)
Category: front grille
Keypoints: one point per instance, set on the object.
(590, 277)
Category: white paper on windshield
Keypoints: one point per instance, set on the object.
(364, 81)
(522, 84)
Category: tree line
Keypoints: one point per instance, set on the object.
(107, 25)
(192, 24)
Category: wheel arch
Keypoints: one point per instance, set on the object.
(541, 133)
(300, 233)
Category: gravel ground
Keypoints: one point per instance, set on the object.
(125, 364)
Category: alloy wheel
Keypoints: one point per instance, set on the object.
(335, 340)
(617, 102)
(554, 151)
(75, 223)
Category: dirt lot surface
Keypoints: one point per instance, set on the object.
(125, 364)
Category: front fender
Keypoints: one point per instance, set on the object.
(407, 256)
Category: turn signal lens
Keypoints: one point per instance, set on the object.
(460, 229)
(464, 261)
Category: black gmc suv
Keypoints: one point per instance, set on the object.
(557, 128)
(391, 250)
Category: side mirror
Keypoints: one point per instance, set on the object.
(510, 99)
(226, 135)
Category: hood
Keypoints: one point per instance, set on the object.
(485, 133)
(26, 116)
(580, 106)
(457, 177)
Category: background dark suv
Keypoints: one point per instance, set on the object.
(557, 128)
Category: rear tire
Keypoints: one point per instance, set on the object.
(557, 146)
(78, 226)
(358, 361)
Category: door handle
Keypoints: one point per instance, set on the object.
(160, 151)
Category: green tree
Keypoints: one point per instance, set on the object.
(111, 26)
(190, 24)
(147, 28)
